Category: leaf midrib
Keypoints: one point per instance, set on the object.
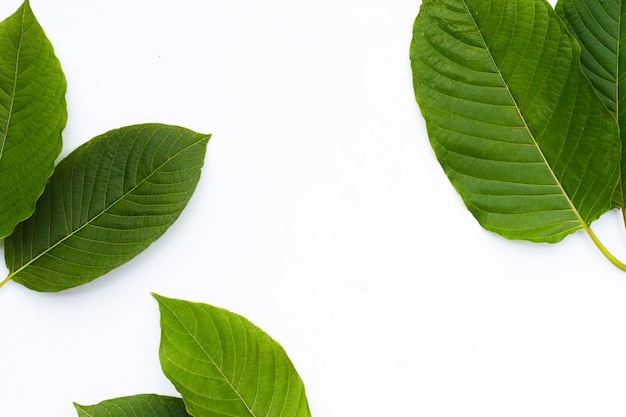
(106, 209)
(208, 355)
(617, 98)
(527, 128)
(13, 91)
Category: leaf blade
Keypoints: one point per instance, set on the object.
(506, 107)
(106, 203)
(224, 365)
(143, 405)
(32, 115)
(600, 28)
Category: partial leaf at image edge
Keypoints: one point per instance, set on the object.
(600, 28)
(516, 126)
(143, 405)
(105, 203)
(222, 364)
(33, 114)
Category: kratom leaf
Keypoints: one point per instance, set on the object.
(32, 115)
(106, 202)
(599, 26)
(144, 405)
(223, 365)
(513, 121)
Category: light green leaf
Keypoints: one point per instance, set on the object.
(599, 26)
(513, 121)
(106, 202)
(144, 405)
(32, 115)
(223, 365)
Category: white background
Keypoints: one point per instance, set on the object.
(322, 216)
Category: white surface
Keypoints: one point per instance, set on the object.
(322, 216)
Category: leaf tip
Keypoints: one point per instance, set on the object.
(25, 6)
(206, 137)
(162, 300)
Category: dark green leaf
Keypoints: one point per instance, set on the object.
(223, 365)
(32, 115)
(106, 202)
(144, 405)
(599, 27)
(516, 126)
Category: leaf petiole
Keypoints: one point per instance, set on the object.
(608, 255)
(7, 279)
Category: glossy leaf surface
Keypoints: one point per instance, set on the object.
(599, 27)
(144, 405)
(106, 202)
(223, 365)
(513, 121)
(32, 115)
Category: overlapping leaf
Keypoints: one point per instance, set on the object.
(599, 27)
(106, 202)
(223, 365)
(513, 121)
(32, 115)
(144, 405)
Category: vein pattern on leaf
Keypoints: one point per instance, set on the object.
(598, 27)
(106, 202)
(215, 363)
(32, 115)
(225, 366)
(13, 90)
(515, 125)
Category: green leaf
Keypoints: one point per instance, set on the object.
(599, 27)
(32, 115)
(105, 203)
(144, 405)
(223, 365)
(513, 121)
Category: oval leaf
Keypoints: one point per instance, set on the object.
(223, 365)
(32, 115)
(106, 202)
(144, 405)
(513, 121)
(600, 27)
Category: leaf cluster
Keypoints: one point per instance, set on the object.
(522, 106)
(220, 363)
(101, 206)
